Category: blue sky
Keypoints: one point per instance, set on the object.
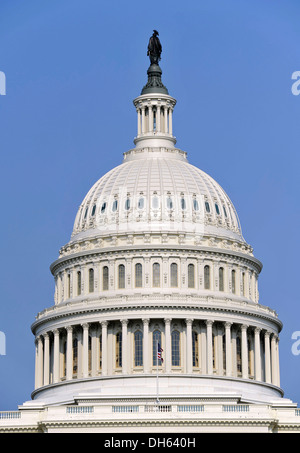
(72, 70)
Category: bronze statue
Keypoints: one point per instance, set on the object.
(154, 48)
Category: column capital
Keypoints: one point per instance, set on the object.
(228, 324)
(104, 323)
(257, 330)
(124, 322)
(85, 325)
(146, 320)
(209, 322)
(69, 328)
(168, 320)
(189, 321)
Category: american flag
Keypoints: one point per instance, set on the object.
(159, 351)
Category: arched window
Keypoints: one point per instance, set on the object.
(175, 338)
(156, 339)
(155, 202)
(195, 205)
(141, 203)
(69, 286)
(233, 286)
(75, 356)
(93, 210)
(217, 209)
(78, 283)
(105, 278)
(207, 207)
(221, 279)
(156, 275)
(206, 277)
(138, 275)
(119, 349)
(169, 203)
(121, 276)
(244, 284)
(115, 206)
(103, 207)
(127, 204)
(183, 204)
(195, 349)
(174, 275)
(138, 348)
(191, 276)
(91, 280)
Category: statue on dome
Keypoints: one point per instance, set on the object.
(154, 48)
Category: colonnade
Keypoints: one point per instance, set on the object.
(154, 118)
(203, 347)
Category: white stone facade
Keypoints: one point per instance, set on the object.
(156, 256)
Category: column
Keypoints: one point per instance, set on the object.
(166, 119)
(189, 346)
(267, 358)
(124, 346)
(257, 356)
(228, 349)
(143, 120)
(170, 122)
(138, 122)
(244, 352)
(274, 360)
(146, 345)
(104, 347)
(278, 366)
(46, 359)
(56, 356)
(203, 350)
(150, 117)
(69, 352)
(94, 351)
(168, 345)
(85, 352)
(209, 346)
(36, 364)
(158, 110)
(40, 361)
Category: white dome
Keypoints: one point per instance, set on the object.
(156, 189)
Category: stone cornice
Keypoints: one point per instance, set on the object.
(142, 307)
(202, 251)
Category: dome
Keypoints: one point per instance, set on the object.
(157, 189)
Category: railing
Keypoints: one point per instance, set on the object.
(236, 408)
(190, 408)
(80, 409)
(10, 415)
(158, 408)
(125, 408)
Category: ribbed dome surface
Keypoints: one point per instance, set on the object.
(156, 189)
